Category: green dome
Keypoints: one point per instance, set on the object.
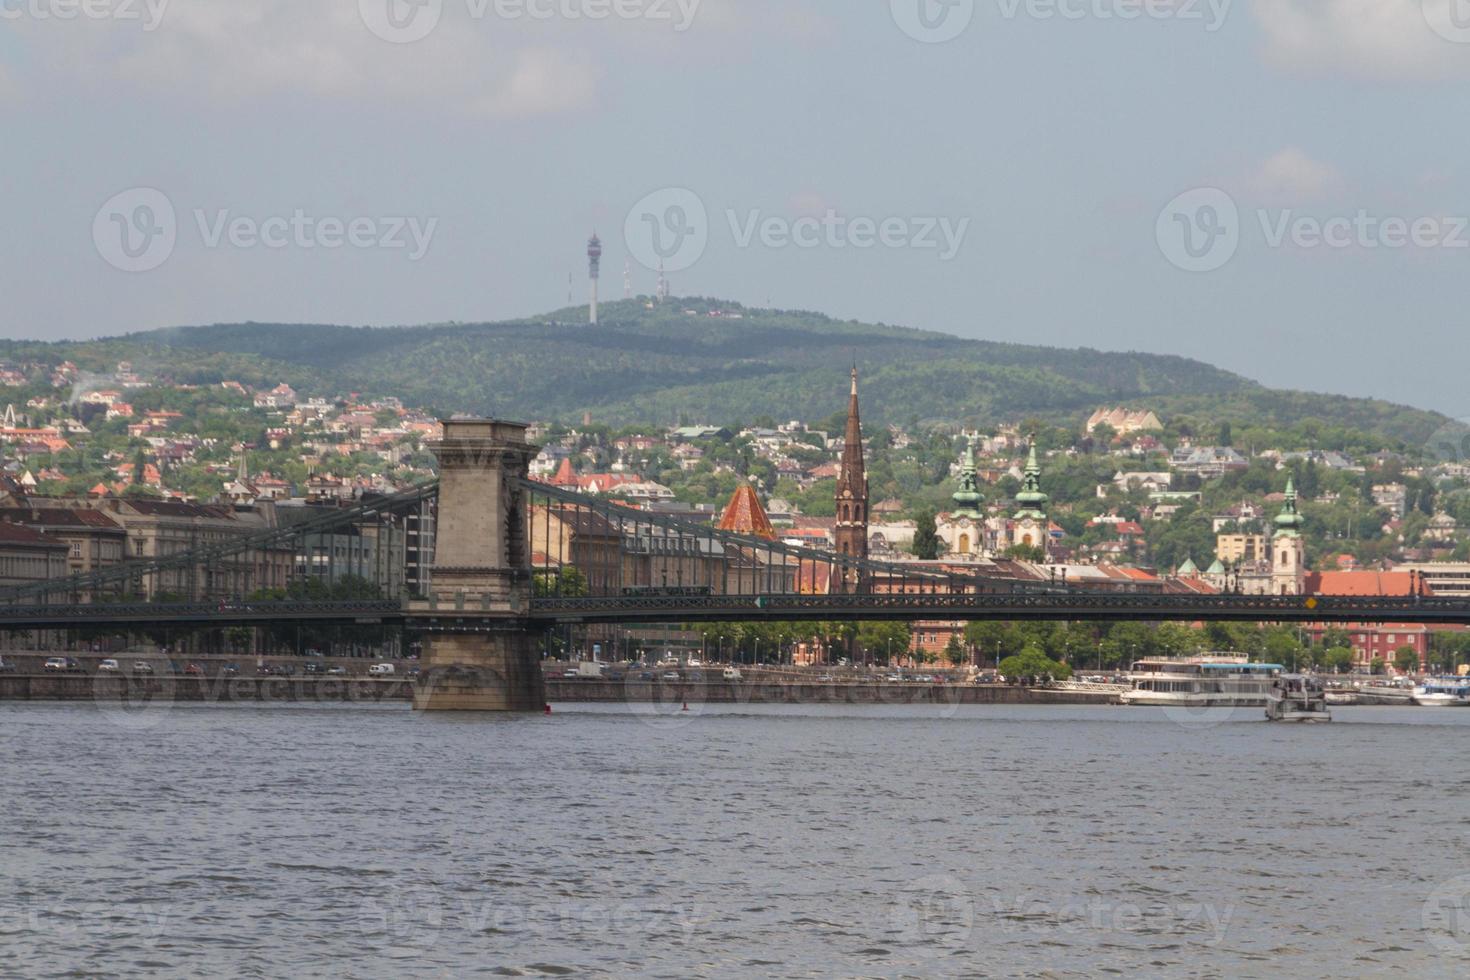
(1032, 500)
(1289, 523)
(967, 498)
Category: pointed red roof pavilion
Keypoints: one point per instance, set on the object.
(745, 515)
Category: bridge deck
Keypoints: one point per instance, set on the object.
(1055, 606)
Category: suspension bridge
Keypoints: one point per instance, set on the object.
(512, 558)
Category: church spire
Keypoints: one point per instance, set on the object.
(1031, 500)
(1289, 522)
(851, 497)
(967, 497)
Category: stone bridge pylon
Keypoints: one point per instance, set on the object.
(482, 576)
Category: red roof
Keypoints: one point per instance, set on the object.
(16, 534)
(745, 515)
(1360, 583)
(564, 475)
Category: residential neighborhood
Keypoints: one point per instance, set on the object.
(103, 468)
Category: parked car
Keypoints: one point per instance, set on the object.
(194, 670)
(731, 674)
(380, 670)
(413, 673)
(56, 663)
(6, 666)
(671, 675)
(109, 666)
(337, 671)
(230, 669)
(142, 667)
(312, 667)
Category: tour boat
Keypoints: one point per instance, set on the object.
(1453, 692)
(1200, 682)
(1294, 697)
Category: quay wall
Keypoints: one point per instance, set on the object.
(88, 687)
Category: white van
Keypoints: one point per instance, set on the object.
(731, 674)
(380, 670)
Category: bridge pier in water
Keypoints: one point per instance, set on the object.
(481, 579)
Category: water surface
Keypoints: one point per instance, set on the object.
(784, 841)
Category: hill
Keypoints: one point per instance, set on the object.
(664, 364)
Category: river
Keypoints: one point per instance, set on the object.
(732, 841)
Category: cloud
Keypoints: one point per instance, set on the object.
(1293, 177)
(224, 53)
(1375, 39)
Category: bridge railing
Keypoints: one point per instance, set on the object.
(585, 548)
(288, 540)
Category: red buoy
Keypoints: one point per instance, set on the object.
(686, 705)
(547, 709)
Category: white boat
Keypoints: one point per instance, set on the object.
(1453, 692)
(1397, 691)
(1200, 682)
(1342, 695)
(1294, 697)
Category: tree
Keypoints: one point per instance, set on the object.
(880, 639)
(1177, 640)
(1339, 660)
(567, 581)
(1033, 662)
(926, 537)
(1406, 659)
(1282, 646)
(1376, 667)
(989, 638)
(954, 651)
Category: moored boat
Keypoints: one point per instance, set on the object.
(1451, 692)
(1087, 688)
(1398, 691)
(1200, 682)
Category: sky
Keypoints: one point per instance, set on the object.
(1278, 187)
